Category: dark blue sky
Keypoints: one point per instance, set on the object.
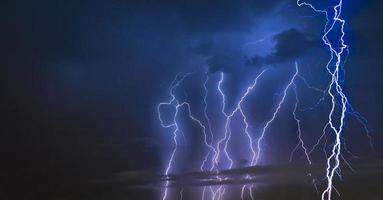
(81, 79)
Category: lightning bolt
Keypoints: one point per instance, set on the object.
(237, 109)
(227, 133)
(350, 111)
(334, 90)
(256, 157)
(177, 105)
(299, 129)
(176, 82)
(217, 148)
(208, 144)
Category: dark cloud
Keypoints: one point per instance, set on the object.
(203, 47)
(265, 173)
(208, 16)
(225, 63)
(290, 44)
(81, 80)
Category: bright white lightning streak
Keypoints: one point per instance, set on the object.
(227, 133)
(210, 144)
(226, 136)
(177, 105)
(350, 111)
(174, 125)
(275, 113)
(256, 156)
(333, 160)
(301, 142)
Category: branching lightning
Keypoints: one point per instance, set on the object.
(256, 158)
(177, 105)
(217, 156)
(335, 89)
(300, 143)
(228, 116)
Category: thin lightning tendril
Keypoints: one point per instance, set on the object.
(299, 129)
(177, 105)
(256, 158)
(217, 148)
(228, 116)
(174, 125)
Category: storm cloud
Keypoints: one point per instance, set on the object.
(81, 80)
(290, 44)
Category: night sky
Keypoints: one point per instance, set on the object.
(81, 81)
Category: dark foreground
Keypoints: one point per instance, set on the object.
(283, 182)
